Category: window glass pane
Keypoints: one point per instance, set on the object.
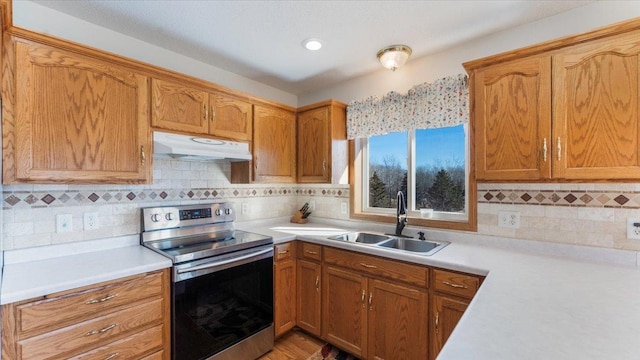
(440, 169)
(387, 169)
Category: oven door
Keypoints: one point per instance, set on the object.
(221, 301)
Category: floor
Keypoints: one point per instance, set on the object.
(294, 345)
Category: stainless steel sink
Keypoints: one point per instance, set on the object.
(362, 237)
(423, 247)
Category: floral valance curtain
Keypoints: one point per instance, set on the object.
(443, 103)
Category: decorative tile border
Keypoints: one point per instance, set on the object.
(590, 198)
(41, 199)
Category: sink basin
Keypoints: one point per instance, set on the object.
(424, 247)
(361, 237)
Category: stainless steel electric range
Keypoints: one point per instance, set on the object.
(222, 293)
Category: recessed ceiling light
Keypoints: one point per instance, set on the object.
(312, 44)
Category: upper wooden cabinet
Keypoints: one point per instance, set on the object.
(322, 143)
(73, 118)
(183, 108)
(596, 115)
(565, 110)
(274, 145)
(513, 120)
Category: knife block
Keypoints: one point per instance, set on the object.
(297, 218)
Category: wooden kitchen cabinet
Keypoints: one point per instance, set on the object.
(513, 120)
(310, 282)
(322, 143)
(274, 145)
(564, 110)
(371, 313)
(447, 312)
(344, 301)
(71, 117)
(129, 317)
(596, 113)
(452, 293)
(184, 108)
(285, 288)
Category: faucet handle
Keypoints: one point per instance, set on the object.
(421, 235)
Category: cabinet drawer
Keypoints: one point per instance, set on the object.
(284, 251)
(59, 310)
(455, 283)
(310, 251)
(390, 269)
(91, 333)
(155, 356)
(130, 347)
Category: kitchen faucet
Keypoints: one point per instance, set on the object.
(401, 211)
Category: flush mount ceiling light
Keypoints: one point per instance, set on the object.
(394, 56)
(312, 44)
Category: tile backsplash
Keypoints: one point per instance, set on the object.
(582, 214)
(29, 211)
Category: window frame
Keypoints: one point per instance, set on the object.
(442, 220)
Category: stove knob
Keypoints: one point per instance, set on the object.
(227, 211)
(168, 216)
(155, 217)
(218, 212)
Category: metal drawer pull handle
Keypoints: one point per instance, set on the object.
(544, 150)
(311, 252)
(317, 283)
(370, 299)
(112, 356)
(368, 266)
(437, 320)
(283, 252)
(95, 301)
(559, 149)
(455, 285)
(363, 297)
(105, 329)
(206, 111)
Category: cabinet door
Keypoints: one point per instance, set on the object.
(179, 107)
(308, 305)
(446, 313)
(74, 119)
(513, 120)
(285, 296)
(274, 145)
(314, 146)
(344, 304)
(397, 321)
(231, 118)
(596, 116)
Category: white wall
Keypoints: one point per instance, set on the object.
(29, 15)
(449, 62)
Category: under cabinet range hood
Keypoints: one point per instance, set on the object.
(194, 148)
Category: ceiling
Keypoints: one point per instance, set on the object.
(261, 40)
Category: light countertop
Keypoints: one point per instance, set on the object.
(45, 275)
(529, 306)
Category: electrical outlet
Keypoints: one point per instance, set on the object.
(509, 219)
(344, 208)
(64, 223)
(245, 208)
(633, 228)
(91, 221)
(312, 205)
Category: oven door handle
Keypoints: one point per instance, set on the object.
(224, 262)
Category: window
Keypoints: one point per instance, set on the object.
(430, 166)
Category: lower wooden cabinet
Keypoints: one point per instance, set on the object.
(285, 288)
(127, 318)
(308, 308)
(447, 312)
(373, 318)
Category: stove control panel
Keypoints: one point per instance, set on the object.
(168, 217)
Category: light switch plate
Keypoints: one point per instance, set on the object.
(64, 223)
